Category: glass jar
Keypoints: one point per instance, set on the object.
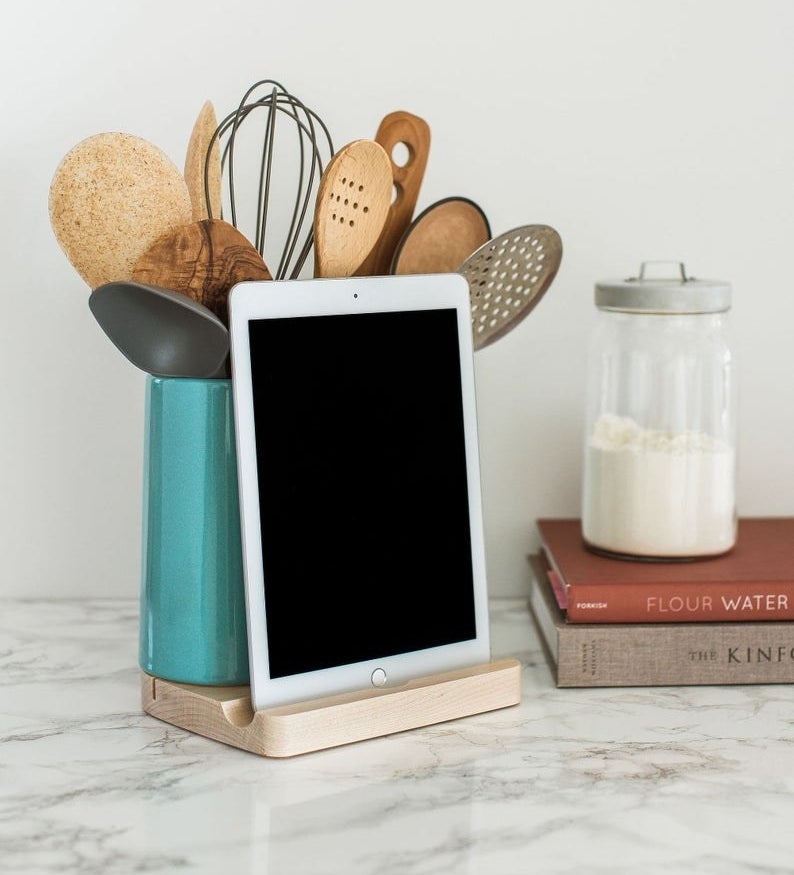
(660, 448)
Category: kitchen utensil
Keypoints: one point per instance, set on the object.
(203, 260)
(352, 204)
(399, 130)
(111, 196)
(441, 237)
(507, 278)
(203, 166)
(264, 170)
(160, 331)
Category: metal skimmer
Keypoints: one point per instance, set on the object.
(507, 277)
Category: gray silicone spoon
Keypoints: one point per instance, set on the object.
(162, 332)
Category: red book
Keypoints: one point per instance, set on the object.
(754, 581)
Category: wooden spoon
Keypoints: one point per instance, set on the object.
(442, 237)
(507, 278)
(201, 168)
(352, 203)
(202, 260)
(112, 196)
(399, 129)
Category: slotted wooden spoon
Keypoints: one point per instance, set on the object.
(399, 129)
(352, 203)
(202, 260)
(507, 278)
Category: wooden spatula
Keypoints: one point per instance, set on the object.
(202, 260)
(352, 204)
(203, 174)
(413, 133)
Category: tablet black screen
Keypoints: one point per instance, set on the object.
(362, 486)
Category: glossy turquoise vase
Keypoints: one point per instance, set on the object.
(192, 623)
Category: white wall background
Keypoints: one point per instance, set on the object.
(639, 129)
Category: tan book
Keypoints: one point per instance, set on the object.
(754, 581)
(657, 654)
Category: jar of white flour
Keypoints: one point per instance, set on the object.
(660, 450)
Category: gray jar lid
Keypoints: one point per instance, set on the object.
(676, 294)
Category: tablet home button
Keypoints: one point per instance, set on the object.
(378, 677)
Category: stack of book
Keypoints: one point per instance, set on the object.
(609, 622)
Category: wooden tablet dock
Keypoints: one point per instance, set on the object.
(225, 714)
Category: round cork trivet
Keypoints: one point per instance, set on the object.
(111, 197)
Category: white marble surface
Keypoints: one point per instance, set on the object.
(585, 781)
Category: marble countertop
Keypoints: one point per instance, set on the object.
(684, 779)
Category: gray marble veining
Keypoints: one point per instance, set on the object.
(684, 779)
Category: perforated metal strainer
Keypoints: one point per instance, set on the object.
(507, 277)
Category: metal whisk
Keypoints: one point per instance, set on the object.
(280, 177)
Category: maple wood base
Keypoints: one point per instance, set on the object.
(225, 714)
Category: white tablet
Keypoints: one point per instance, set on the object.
(359, 482)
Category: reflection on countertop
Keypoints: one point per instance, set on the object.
(669, 779)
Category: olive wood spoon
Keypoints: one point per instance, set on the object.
(442, 237)
(352, 203)
(399, 129)
(203, 260)
(162, 332)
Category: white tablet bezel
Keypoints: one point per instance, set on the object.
(288, 298)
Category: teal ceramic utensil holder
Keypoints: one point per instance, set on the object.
(192, 621)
